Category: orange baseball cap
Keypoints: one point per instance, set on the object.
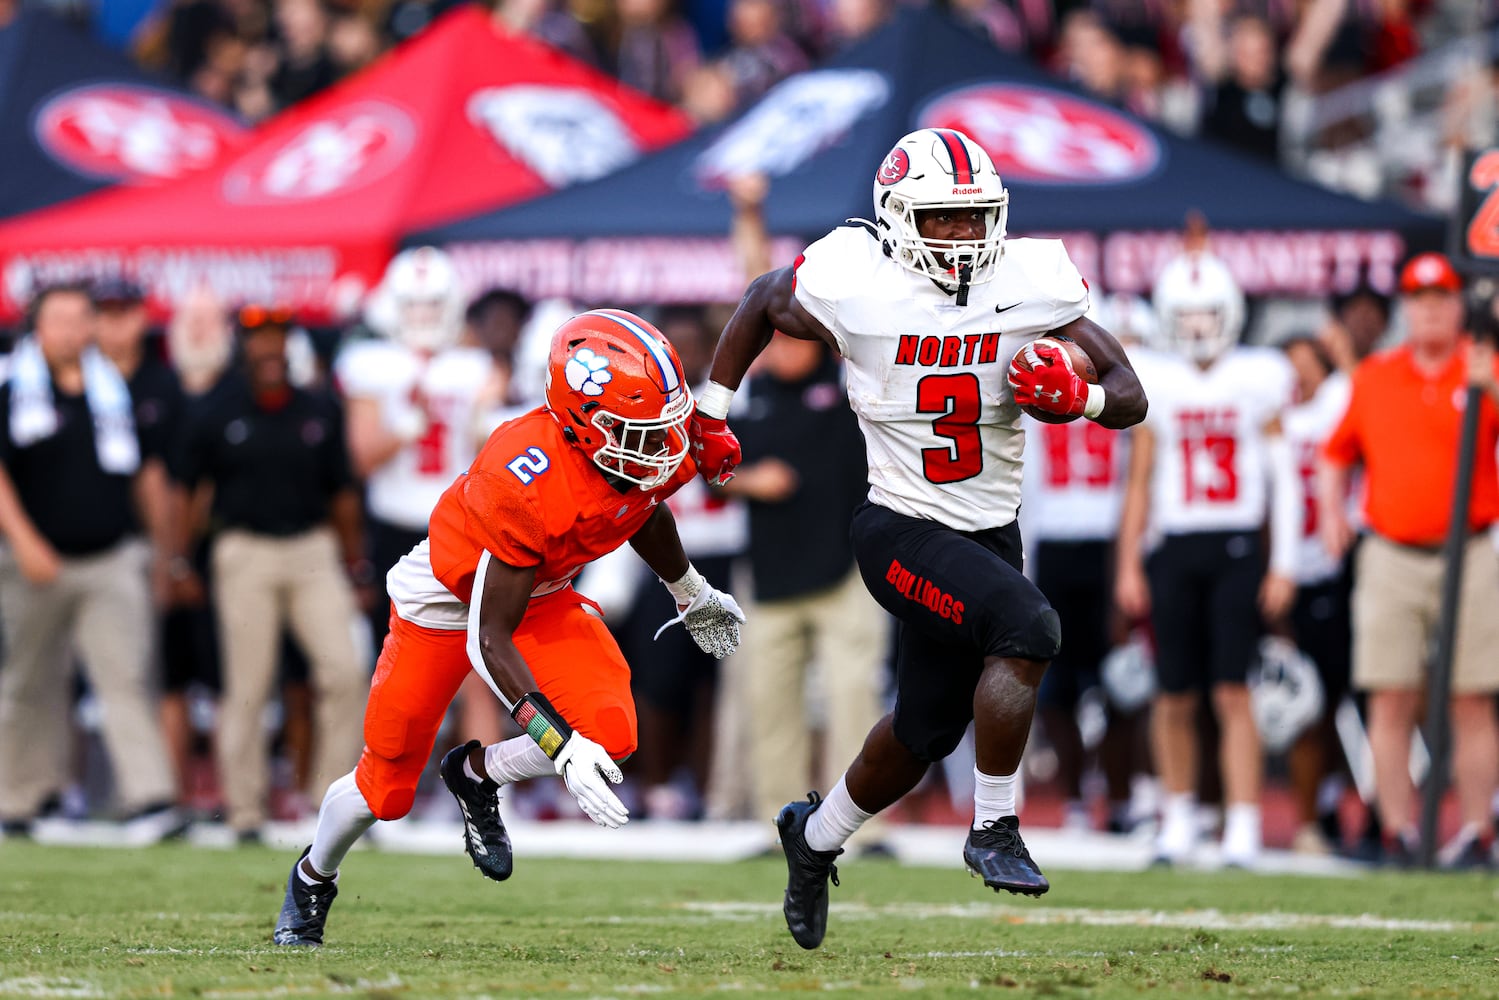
(1430, 270)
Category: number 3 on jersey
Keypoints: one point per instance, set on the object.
(956, 398)
(527, 466)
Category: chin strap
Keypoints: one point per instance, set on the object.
(965, 273)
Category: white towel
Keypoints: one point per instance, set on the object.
(33, 416)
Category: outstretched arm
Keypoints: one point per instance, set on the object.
(710, 616)
(1124, 400)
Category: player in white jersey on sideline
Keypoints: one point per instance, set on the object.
(1203, 469)
(413, 403)
(927, 305)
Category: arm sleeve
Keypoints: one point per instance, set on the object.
(504, 519)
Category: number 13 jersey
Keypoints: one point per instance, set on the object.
(927, 377)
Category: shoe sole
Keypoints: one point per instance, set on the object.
(1014, 890)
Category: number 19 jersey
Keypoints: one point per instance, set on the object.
(927, 377)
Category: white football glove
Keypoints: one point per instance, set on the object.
(712, 619)
(588, 771)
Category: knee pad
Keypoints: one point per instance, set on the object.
(380, 783)
(1040, 639)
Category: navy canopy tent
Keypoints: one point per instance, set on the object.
(78, 116)
(1116, 187)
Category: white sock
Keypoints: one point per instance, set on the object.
(835, 820)
(341, 821)
(993, 796)
(516, 759)
(1180, 808)
(468, 769)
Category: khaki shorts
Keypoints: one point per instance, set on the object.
(1397, 597)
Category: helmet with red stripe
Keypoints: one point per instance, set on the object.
(615, 385)
(934, 168)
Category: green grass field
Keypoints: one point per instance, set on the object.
(178, 921)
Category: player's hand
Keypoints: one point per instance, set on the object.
(588, 772)
(1050, 384)
(1132, 592)
(769, 480)
(715, 449)
(1277, 592)
(712, 619)
(1337, 533)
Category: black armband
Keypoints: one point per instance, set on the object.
(542, 722)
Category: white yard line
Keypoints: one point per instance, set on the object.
(1207, 919)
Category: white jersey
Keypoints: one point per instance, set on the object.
(446, 387)
(1074, 480)
(1212, 468)
(927, 377)
(1307, 426)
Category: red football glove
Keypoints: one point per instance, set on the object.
(715, 449)
(1046, 381)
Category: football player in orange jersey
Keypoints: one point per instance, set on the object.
(490, 590)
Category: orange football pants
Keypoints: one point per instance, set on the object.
(564, 641)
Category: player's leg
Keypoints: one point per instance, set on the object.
(416, 677)
(1178, 611)
(1319, 624)
(1236, 631)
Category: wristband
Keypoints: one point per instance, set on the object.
(541, 722)
(714, 401)
(689, 586)
(1094, 406)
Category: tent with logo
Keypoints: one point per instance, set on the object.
(1116, 187)
(77, 117)
(463, 118)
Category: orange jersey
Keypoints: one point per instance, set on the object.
(532, 499)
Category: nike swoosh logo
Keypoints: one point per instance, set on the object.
(1000, 309)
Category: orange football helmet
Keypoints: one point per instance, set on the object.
(616, 386)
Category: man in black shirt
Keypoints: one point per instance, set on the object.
(804, 473)
(288, 550)
(73, 572)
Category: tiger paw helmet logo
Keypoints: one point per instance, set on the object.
(588, 373)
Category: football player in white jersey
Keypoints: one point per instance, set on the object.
(1203, 469)
(413, 403)
(927, 305)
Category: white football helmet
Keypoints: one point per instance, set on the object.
(419, 302)
(1200, 307)
(1285, 693)
(940, 168)
(1128, 674)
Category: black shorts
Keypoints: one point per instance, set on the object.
(1322, 622)
(958, 597)
(1077, 579)
(1204, 608)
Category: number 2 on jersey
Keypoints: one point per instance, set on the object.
(956, 398)
(527, 466)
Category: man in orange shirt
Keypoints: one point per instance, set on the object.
(1402, 424)
(490, 589)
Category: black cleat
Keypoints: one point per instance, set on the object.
(996, 853)
(484, 835)
(808, 872)
(305, 910)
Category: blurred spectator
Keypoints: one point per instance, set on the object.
(1092, 55)
(199, 340)
(304, 66)
(353, 42)
(542, 19)
(495, 320)
(74, 572)
(852, 21)
(760, 53)
(1402, 426)
(654, 49)
(1360, 319)
(709, 96)
(408, 18)
(1244, 77)
(803, 475)
(285, 498)
(991, 20)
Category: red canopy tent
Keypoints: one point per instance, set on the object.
(463, 118)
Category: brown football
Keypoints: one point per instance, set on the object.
(1081, 363)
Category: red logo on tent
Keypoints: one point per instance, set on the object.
(1047, 136)
(894, 167)
(347, 148)
(130, 133)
